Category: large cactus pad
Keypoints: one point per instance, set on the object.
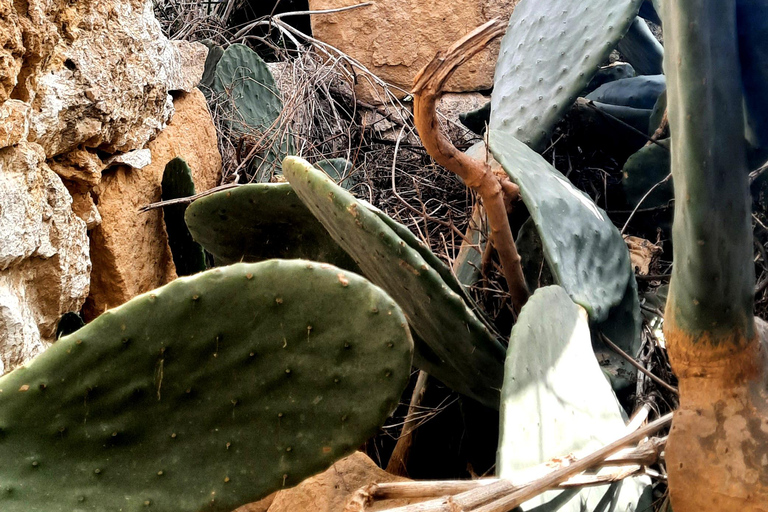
(457, 347)
(206, 394)
(585, 251)
(261, 221)
(550, 53)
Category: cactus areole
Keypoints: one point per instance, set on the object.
(717, 455)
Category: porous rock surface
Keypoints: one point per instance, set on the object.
(130, 249)
(94, 72)
(332, 490)
(44, 262)
(78, 81)
(395, 38)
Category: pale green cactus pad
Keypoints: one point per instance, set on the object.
(556, 401)
(548, 56)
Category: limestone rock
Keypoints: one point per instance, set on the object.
(79, 165)
(395, 38)
(14, 122)
(129, 249)
(451, 105)
(329, 491)
(44, 263)
(95, 73)
(11, 48)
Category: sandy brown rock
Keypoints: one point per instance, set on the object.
(44, 263)
(11, 48)
(259, 506)
(395, 38)
(330, 491)
(129, 249)
(14, 122)
(96, 73)
(78, 165)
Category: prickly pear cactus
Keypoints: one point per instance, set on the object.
(260, 221)
(246, 91)
(339, 169)
(752, 19)
(643, 171)
(535, 268)
(548, 56)
(638, 92)
(457, 347)
(583, 248)
(206, 394)
(188, 256)
(641, 49)
(211, 60)
(611, 73)
(555, 400)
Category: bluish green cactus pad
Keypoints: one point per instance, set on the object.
(260, 221)
(548, 56)
(556, 401)
(204, 395)
(246, 91)
(340, 171)
(457, 348)
(639, 92)
(188, 256)
(641, 49)
(584, 250)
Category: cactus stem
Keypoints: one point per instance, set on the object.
(476, 174)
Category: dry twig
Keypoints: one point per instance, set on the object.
(476, 174)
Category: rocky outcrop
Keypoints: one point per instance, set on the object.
(78, 81)
(330, 491)
(130, 249)
(44, 262)
(95, 73)
(395, 38)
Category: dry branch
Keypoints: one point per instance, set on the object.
(476, 174)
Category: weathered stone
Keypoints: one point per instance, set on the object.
(259, 506)
(78, 165)
(14, 122)
(330, 491)
(395, 38)
(11, 48)
(44, 263)
(129, 249)
(96, 74)
(138, 159)
(451, 105)
(82, 203)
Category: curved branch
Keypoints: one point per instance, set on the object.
(476, 174)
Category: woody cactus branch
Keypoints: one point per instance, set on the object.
(718, 446)
(476, 174)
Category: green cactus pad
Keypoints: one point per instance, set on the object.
(584, 250)
(211, 60)
(340, 171)
(752, 22)
(548, 56)
(535, 268)
(251, 103)
(606, 74)
(639, 92)
(457, 347)
(556, 401)
(261, 221)
(650, 11)
(643, 171)
(206, 394)
(641, 49)
(188, 256)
